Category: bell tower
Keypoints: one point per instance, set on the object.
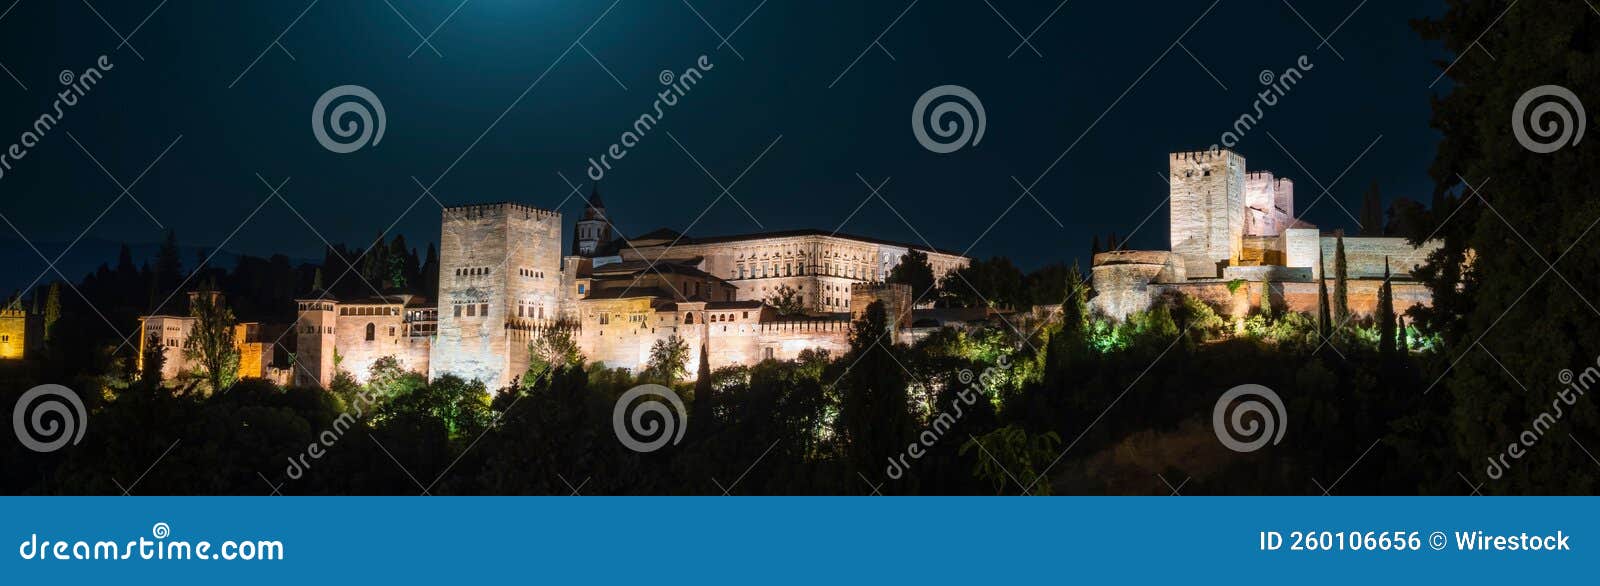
(594, 228)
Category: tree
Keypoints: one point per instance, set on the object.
(211, 345)
(669, 360)
(52, 310)
(1372, 212)
(1341, 285)
(787, 300)
(915, 271)
(1324, 320)
(168, 271)
(1481, 277)
(1402, 343)
(704, 394)
(1385, 314)
(873, 414)
(552, 348)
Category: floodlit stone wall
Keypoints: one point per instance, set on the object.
(1207, 209)
(13, 334)
(494, 259)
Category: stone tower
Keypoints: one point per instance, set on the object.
(499, 278)
(594, 229)
(314, 343)
(1208, 209)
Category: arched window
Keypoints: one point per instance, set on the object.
(688, 318)
(372, 332)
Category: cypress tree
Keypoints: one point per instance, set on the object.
(1324, 323)
(1385, 314)
(1341, 289)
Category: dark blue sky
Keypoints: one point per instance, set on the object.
(493, 50)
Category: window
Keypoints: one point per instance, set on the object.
(766, 353)
(605, 318)
(458, 311)
(747, 315)
(391, 331)
(483, 308)
(472, 311)
(580, 289)
(372, 332)
(5, 338)
(688, 318)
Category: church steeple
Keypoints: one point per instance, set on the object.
(594, 229)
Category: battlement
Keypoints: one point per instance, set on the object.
(806, 325)
(496, 209)
(1205, 155)
(13, 312)
(871, 287)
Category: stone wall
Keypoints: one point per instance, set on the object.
(494, 258)
(1269, 204)
(169, 333)
(1301, 246)
(1207, 208)
(314, 343)
(1298, 296)
(1364, 255)
(896, 299)
(810, 262)
(13, 334)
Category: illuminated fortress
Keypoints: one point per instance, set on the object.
(503, 281)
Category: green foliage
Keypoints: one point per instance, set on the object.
(873, 416)
(52, 310)
(669, 361)
(1233, 286)
(915, 271)
(1341, 285)
(211, 344)
(1013, 455)
(787, 300)
(551, 348)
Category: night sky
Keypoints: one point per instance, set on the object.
(1110, 84)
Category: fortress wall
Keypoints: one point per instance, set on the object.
(1301, 246)
(1121, 289)
(1363, 295)
(1364, 255)
(787, 340)
(356, 353)
(1275, 273)
(1296, 296)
